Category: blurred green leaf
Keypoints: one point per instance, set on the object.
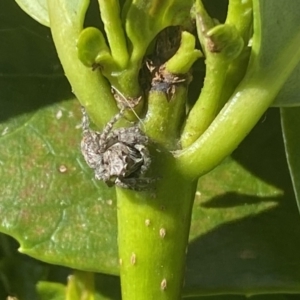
(107, 288)
(290, 118)
(51, 291)
(37, 9)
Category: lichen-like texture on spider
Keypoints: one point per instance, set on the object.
(118, 156)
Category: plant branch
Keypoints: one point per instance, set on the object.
(240, 15)
(153, 229)
(222, 46)
(90, 87)
(251, 98)
(110, 15)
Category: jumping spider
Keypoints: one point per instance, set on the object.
(118, 156)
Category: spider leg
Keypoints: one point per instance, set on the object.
(108, 128)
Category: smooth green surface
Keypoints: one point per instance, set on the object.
(289, 94)
(283, 27)
(155, 233)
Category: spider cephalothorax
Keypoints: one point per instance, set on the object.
(118, 156)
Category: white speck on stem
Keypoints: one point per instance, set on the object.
(147, 222)
(133, 258)
(163, 284)
(162, 232)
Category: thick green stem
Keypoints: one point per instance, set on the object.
(153, 230)
(126, 81)
(90, 87)
(165, 116)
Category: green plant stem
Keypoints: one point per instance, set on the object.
(126, 81)
(252, 97)
(208, 103)
(225, 66)
(90, 87)
(165, 116)
(110, 15)
(153, 232)
(240, 15)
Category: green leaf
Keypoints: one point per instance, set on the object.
(236, 243)
(37, 9)
(283, 25)
(280, 23)
(290, 93)
(59, 213)
(290, 118)
(40, 157)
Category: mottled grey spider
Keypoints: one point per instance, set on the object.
(118, 156)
